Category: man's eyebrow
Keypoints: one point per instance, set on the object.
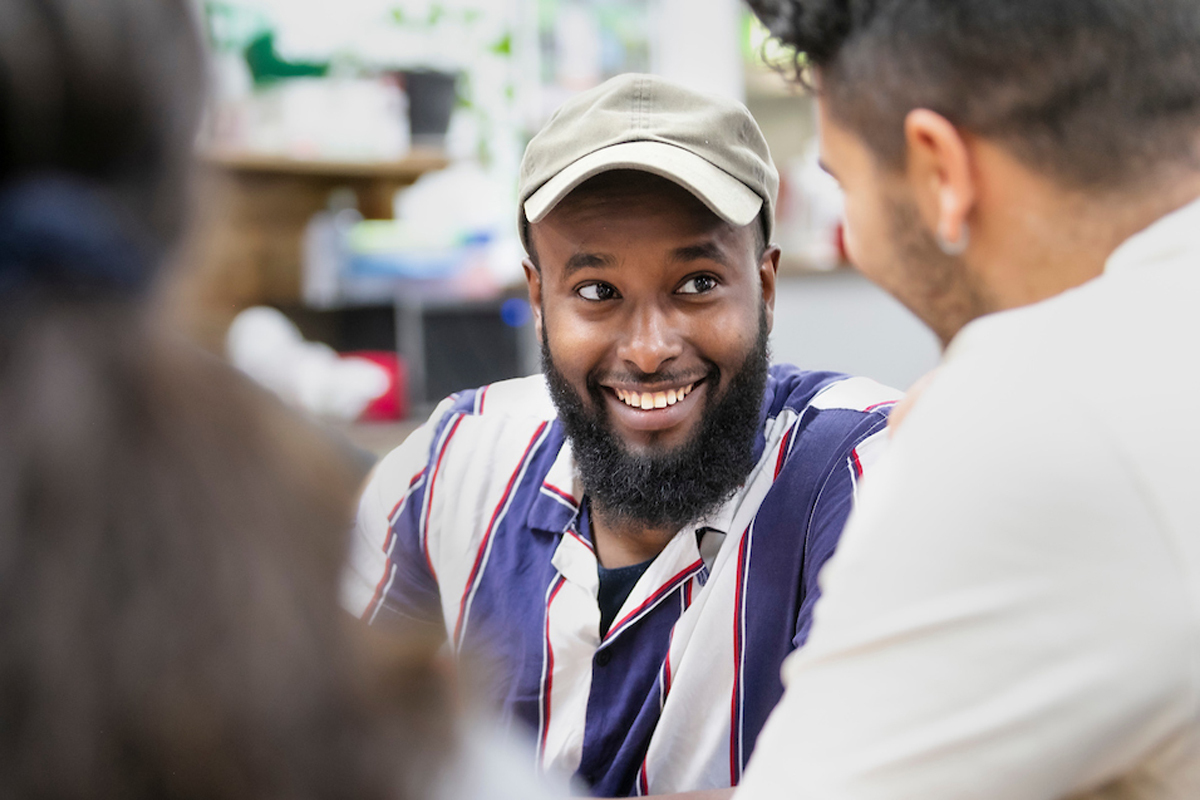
(579, 261)
(703, 251)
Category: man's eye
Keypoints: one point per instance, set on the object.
(597, 291)
(698, 285)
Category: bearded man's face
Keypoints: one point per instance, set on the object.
(654, 316)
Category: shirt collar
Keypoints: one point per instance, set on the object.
(722, 519)
(557, 501)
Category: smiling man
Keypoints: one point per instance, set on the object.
(631, 541)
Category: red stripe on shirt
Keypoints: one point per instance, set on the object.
(437, 468)
(471, 581)
(391, 517)
(734, 727)
(377, 595)
(548, 685)
(660, 593)
(667, 668)
(582, 540)
(564, 495)
(782, 453)
(643, 778)
(857, 464)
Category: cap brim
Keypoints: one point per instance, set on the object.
(725, 195)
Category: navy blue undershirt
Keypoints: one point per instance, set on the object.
(616, 583)
(615, 586)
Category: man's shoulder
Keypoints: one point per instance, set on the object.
(830, 418)
(798, 390)
(474, 428)
(487, 416)
(526, 398)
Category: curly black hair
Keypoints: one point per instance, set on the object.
(816, 29)
(1097, 93)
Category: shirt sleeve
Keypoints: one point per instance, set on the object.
(832, 508)
(388, 570)
(1003, 619)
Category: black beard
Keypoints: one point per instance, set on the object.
(665, 490)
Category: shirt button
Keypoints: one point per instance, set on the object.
(603, 657)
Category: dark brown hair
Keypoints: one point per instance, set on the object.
(169, 564)
(170, 538)
(107, 91)
(1096, 93)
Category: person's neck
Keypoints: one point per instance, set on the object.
(623, 543)
(1049, 240)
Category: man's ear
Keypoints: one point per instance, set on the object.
(939, 170)
(768, 270)
(534, 279)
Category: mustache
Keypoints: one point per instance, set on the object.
(663, 378)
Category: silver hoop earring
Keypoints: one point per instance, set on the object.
(954, 248)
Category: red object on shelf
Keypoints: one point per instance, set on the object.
(393, 403)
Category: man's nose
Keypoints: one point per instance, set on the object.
(651, 340)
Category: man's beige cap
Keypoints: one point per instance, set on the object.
(708, 144)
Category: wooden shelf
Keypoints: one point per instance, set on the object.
(405, 170)
(248, 237)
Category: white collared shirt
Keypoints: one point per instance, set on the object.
(1014, 610)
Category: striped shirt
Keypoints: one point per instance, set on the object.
(474, 524)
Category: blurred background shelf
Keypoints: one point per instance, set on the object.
(329, 108)
(248, 244)
(400, 171)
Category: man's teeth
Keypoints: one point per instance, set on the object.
(650, 400)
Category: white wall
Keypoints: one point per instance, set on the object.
(841, 321)
(696, 44)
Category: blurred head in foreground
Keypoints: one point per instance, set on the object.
(994, 153)
(169, 540)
